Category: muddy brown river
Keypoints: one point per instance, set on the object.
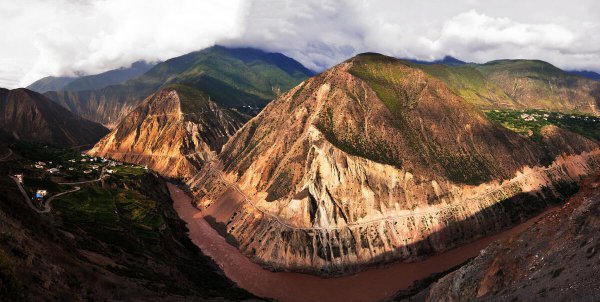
(371, 285)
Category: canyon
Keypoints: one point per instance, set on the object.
(375, 161)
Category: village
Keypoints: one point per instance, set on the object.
(40, 180)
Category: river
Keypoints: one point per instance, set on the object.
(370, 285)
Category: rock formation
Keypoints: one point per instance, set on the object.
(555, 259)
(375, 161)
(174, 131)
(32, 117)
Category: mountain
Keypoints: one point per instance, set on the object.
(111, 77)
(586, 74)
(447, 60)
(519, 84)
(174, 131)
(555, 259)
(373, 161)
(30, 116)
(90, 82)
(241, 78)
(50, 84)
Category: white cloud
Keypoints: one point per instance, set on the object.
(64, 37)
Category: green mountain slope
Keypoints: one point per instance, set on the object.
(50, 84)
(111, 77)
(519, 84)
(239, 78)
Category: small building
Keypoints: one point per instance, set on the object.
(38, 166)
(87, 171)
(109, 171)
(71, 168)
(53, 170)
(40, 194)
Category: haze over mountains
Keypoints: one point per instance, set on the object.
(90, 82)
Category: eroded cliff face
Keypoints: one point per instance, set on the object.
(556, 259)
(173, 132)
(373, 161)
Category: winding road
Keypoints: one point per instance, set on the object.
(47, 205)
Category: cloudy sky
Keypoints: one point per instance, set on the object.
(69, 37)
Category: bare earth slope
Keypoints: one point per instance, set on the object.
(174, 131)
(30, 116)
(555, 259)
(375, 161)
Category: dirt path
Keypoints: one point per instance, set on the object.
(371, 285)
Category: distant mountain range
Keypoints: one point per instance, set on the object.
(518, 84)
(242, 78)
(447, 60)
(587, 74)
(90, 82)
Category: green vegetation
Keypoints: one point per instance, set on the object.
(530, 122)
(389, 78)
(232, 77)
(122, 218)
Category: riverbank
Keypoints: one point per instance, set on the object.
(370, 285)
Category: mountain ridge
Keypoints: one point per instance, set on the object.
(238, 78)
(30, 116)
(372, 161)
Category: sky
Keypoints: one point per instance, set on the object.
(78, 37)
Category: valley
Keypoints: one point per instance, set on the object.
(238, 174)
(112, 235)
(372, 284)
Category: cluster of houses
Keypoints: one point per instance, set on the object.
(531, 117)
(534, 116)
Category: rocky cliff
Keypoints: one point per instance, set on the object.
(375, 161)
(174, 131)
(556, 259)
(30, 116)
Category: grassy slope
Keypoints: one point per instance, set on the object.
(512, 84)
(230, 76)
